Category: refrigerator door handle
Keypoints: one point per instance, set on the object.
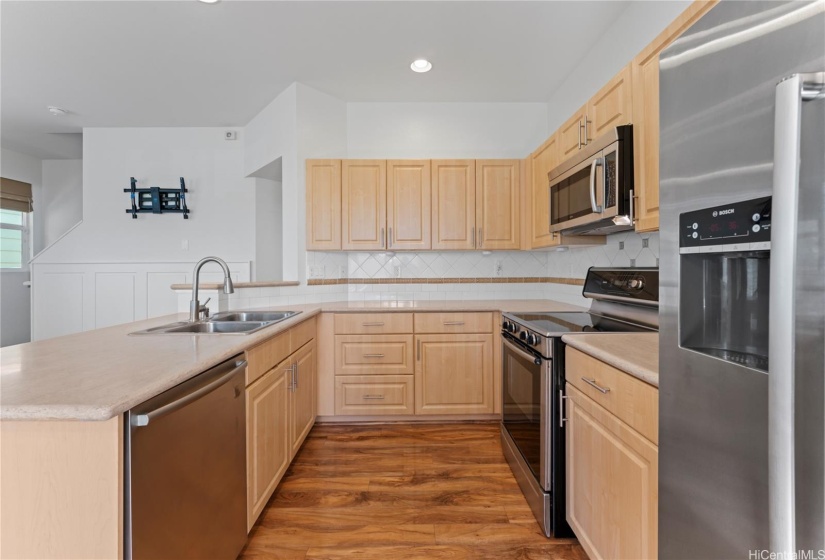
(790, 93)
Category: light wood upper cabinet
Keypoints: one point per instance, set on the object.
(571, 134)
(645, 70)
(364, 204)
(543, 160)
(323, 196)
(612, 483)
(453, 204)
(267, 450)
(498, 202)
(408, 204)
(302, 401)
(611, 106)
(454, 374)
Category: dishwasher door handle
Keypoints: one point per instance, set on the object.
(143, 419)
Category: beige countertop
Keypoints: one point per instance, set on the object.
(634, 353)
(96, 375)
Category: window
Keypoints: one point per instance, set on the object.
(14, 246)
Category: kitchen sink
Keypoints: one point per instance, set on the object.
(228, 322)
(265, 316)
(220, 327)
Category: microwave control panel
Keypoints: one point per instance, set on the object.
(744, 225)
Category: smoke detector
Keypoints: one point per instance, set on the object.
(57, 111)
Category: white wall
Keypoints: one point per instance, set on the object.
(633, 30)
(269, 231)
(220, 198)
(15, 325)
(61, 201)
(445, 130)
(322, 133)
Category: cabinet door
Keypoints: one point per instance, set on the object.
(497, 204)
(267, 451)
(408, 204)
(453, 204)
(454, 374)
(645, 71)
(611, 106)
(571, 135)
(364, 204)
(612, 483)
(302, 396)
(323, 184)
(544, 159)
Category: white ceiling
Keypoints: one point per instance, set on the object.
(185, 63)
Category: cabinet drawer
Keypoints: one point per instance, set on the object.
(374, 394)
(373, 323)
(266, 356)
(438, 323)
(302, 333)
(371, 354)
(631, 400)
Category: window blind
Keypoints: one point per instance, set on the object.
(15, 195)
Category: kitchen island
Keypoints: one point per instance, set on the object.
(61, 413)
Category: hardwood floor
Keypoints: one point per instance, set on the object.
(399, 491)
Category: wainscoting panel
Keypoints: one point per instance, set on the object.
(59, 306)
(70, 298)
(114, 298)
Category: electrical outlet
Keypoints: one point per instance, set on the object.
(316, 271)
(342, 271)
(396, 271)
(498, 267)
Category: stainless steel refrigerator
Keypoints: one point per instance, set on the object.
(742, 297)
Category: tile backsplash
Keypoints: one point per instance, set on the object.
(621, 249)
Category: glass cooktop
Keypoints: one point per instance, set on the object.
(549, 324)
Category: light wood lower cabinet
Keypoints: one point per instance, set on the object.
(280, 411)
(361, 354)
(267, 433)
(374, 394)
(302, 400)
(612, 469)
(454, 374)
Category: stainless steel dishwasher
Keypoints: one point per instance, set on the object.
(185, 469)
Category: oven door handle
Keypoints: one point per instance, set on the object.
(532, 357)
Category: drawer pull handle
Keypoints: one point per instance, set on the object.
(592, 383)
(373, 397)
(373, 355)
(373, 324)
(451, 323)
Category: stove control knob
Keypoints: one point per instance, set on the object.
(533, 340)
(505, 325)
(524, 336)
(636, 283)
(513, 328)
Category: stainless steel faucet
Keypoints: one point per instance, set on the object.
(195, 308)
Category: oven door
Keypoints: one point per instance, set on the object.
(526, 407)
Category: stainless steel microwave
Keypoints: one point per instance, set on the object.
(592, 193)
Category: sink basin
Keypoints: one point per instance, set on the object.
(228, 322)
(222, 327)
(267, 316)
(209, 327)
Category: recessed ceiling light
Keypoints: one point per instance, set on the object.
(209, 1)
(57, 111)
(421, 65)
